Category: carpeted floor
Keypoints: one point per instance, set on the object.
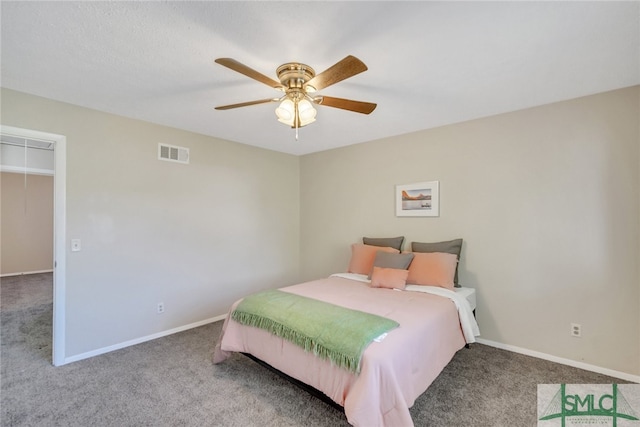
(172, 382)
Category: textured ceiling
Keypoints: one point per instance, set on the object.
(430, 63)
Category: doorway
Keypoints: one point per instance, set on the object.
(59, 229)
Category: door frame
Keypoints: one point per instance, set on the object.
(59, 233)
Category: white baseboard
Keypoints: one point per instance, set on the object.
(23, 273)
(140, 340)
(561, 360)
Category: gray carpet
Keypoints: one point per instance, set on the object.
(172, 382)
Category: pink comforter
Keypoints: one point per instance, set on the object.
(394, 371)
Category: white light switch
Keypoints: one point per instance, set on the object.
(75, 245)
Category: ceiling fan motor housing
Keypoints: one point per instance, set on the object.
(294, 75)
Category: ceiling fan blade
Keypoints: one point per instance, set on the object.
(246, 104)
(249, 72)
(348, 67)
(347, 104)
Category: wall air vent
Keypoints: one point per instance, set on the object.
(171, 153)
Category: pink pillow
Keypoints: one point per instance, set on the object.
(392, 278)
(433, 269)
(363, 256)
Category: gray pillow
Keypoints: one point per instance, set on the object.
(449, 247)
(389, 260)
(391, 242)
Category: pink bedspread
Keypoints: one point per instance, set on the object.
(394, 371)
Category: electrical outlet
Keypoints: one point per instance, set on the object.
(576, 330)
(160, 307)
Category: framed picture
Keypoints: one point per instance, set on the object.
(419, 199)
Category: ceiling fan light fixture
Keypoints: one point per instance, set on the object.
(306, 112)
(285, 112)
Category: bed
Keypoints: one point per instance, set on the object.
(434, 324)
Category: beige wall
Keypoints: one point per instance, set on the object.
(546, 200)
(195, 237)
(26, 223)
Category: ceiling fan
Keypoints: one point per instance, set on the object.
(299, 82)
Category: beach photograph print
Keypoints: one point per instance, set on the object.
(419, 199)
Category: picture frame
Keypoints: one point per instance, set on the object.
(419, 199)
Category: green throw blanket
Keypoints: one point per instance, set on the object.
(329, 331)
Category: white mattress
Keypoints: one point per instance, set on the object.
(469, 294)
